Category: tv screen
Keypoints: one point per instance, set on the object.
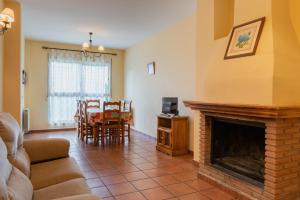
(170, 105)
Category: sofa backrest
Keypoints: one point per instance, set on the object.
(14, 185)
(10, 132)
(5, 171)
(13, 138)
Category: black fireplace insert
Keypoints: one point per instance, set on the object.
(238, 148)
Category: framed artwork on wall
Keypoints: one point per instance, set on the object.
(244, 39)
(151, 68)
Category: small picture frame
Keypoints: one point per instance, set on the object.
(244, 39)
(151, 68)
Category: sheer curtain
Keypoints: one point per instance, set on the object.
(73, 76)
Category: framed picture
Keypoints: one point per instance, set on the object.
(151, 68)
(244, 39)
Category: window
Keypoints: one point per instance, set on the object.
(73, 77)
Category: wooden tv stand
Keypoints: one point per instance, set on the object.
(172, 135)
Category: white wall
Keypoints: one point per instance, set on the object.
(174, 52)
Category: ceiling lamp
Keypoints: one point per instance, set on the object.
(88, 46)
(6, 18)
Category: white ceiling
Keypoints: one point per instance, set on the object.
(115, 23)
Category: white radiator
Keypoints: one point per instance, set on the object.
(25, 120)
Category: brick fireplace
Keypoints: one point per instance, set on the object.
(266, 163)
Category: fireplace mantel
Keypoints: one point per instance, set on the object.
(266, 112)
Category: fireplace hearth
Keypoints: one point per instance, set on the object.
(250, 150)
(239, 148)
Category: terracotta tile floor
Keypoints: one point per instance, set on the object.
(136, 171)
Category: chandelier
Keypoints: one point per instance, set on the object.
(88, 46)
(6, 18)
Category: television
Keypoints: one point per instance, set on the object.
(170, 105)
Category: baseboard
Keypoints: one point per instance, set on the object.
(52, 130)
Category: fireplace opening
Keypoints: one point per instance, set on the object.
(238, 148)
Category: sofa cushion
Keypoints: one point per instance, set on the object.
(21, 161)
(5, 170)
(69, 188)
(19, 186)
(11, 133)
(54, 172)
(41, 150)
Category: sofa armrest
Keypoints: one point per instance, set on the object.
(81, 197)
(40, 150)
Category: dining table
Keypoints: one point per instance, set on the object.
(95, 116)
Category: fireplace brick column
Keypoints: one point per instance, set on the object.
(204, 140)
(282, 157)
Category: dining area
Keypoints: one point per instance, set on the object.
(103, 122)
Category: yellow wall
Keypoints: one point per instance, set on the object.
(173, 50)
(295, 16)
(36, 66)
(223, 17)
(287, 52)
(1, 62)
(12, 64)
(247, 80)
(218, 78)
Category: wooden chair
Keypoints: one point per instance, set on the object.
(126, 107)
(112, 125)
(93, 103)
(86, 127)
(78, 118)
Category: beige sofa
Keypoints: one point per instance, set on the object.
(37, 169)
